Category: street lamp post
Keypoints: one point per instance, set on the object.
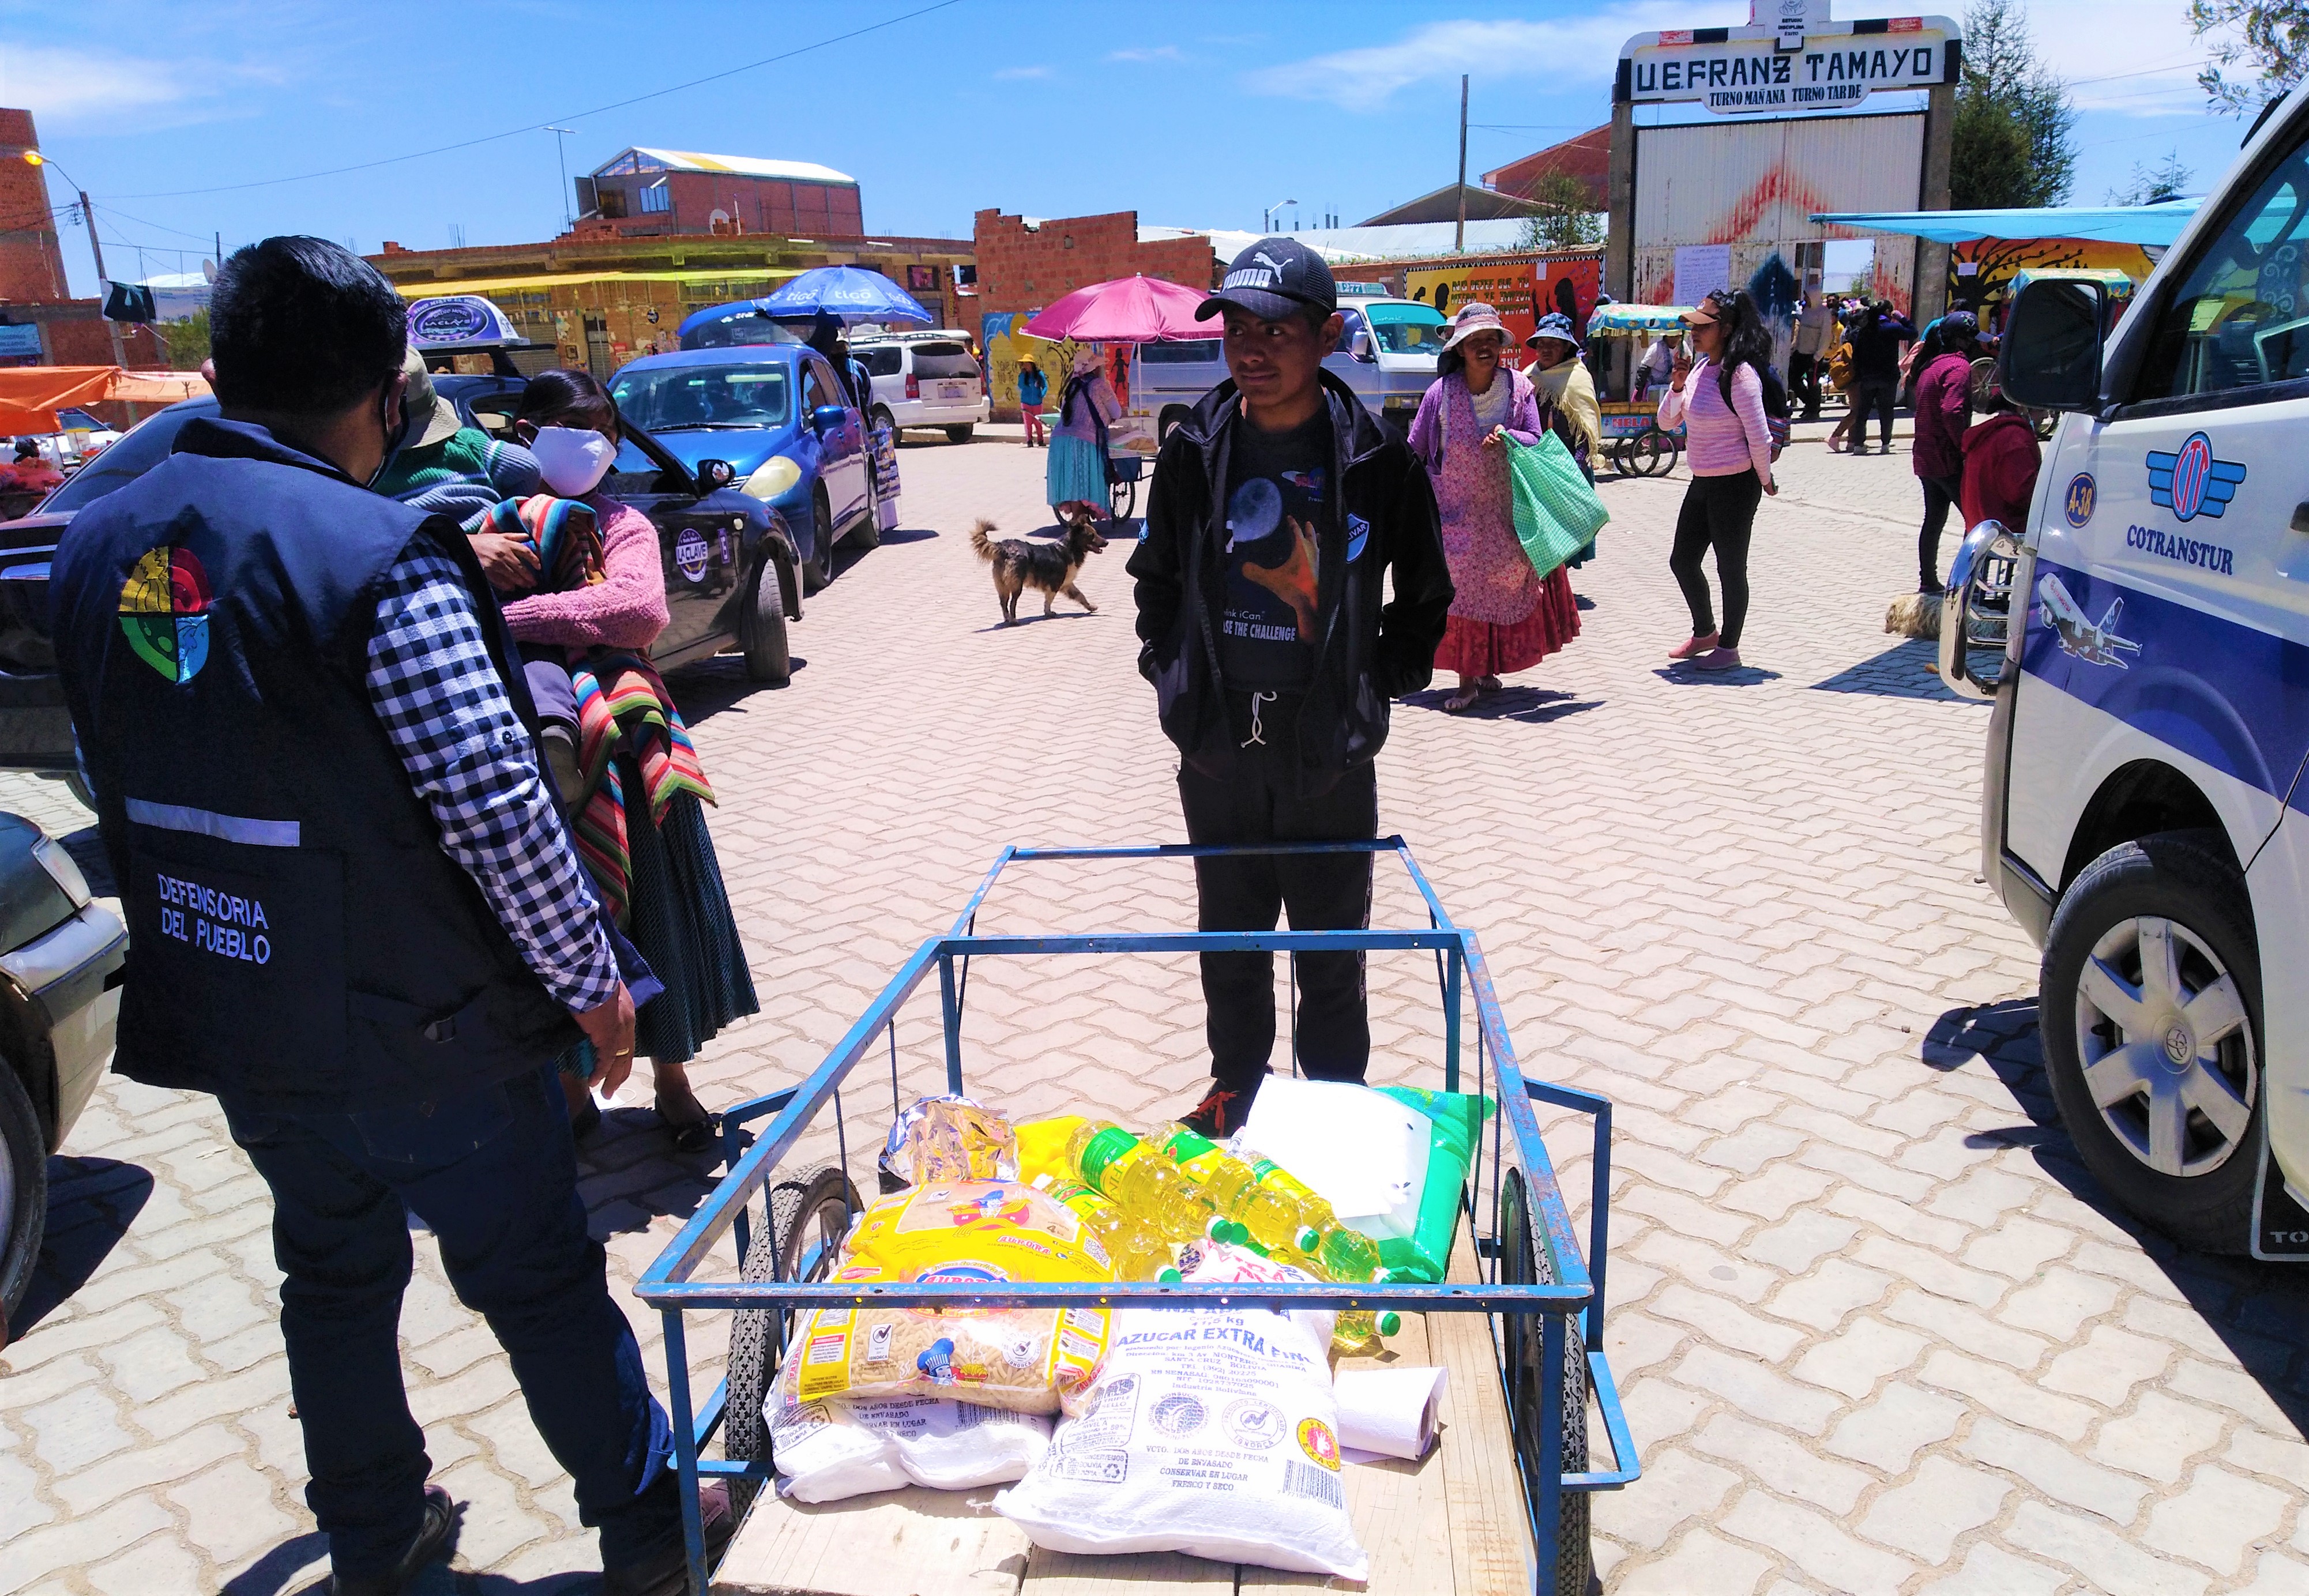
(1266, 217)
(561, 149)
(33, 158)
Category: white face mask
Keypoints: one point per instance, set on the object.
(572, 460)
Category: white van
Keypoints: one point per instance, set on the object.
(2142, 814)
(923, 379)
(1386, 353)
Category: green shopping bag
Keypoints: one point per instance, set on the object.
(1556, 513)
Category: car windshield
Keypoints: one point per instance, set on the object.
(944, 360)
(703, 398)
(1406, 329)
(146, 446)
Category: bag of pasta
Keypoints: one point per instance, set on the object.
(1026, 1360)
(1002, 1226)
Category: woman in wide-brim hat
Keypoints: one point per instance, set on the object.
(1563, 380)
(1076, 474)
(1505, 617)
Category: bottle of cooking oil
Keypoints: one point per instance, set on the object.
(1136, 1178)
(1139, 1253)
(1357, 1330)
(1231, 1188)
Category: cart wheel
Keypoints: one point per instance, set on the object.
(816, 1213)
(1123, 496)
(1618, 458)
(1646, 450)
(1523, 1264)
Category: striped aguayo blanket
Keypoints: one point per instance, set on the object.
(623, 708)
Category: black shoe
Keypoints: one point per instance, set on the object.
(667, 1573)
(1931, 589)
(1221, 1113)
(434, 1543)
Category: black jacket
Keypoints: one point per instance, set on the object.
(1367, 654)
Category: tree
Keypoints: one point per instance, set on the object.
(2169, 181)
(2014, 141)
(2275, 44)
(186, 341)
(1566, 219)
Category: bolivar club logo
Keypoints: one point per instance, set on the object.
(2190, 482)
(164, 611)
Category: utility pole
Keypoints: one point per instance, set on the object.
(87, 215)
(562, 149)
(1460, 235)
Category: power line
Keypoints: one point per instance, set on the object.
(146, 221)
(171, 193)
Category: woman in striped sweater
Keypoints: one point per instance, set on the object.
(1719, 402)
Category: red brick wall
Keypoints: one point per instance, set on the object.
(1022, 268)
(32, 262)
(760, 205)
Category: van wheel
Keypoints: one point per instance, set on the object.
(817, 570)
(882, 418)
(2150, 1011)
(960, 435)
(24, 1194)
(767, 656)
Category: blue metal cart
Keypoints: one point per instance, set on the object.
(1543, 1298)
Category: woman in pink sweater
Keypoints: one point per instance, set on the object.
(1719, 402)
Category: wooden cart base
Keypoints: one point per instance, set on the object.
(1452, 1524)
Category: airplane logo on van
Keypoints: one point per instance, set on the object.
(2190, 482)
(2094, 644)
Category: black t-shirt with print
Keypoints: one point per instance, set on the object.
(1276, 484)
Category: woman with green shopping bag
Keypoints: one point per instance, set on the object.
(1506, 615)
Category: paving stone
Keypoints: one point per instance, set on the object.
(1887, 1431)
(1925, 1516)
(1756, 1389)
(76, 1429)
(2218, 1519)
(84, 1490)
(1940, 1276)
(232, 1512)
(2053, 1468)
(2108, 1561)
(2276, 1574)
(2157, 1437)
(1796, 1245)
(1658, 1410)
(1822, 1297)
(1859, 1355)
(1814, 1544)
(2279, 1457)
(83, 1539)
(1968, 1328)
(2020, 1248)
(1683, 1487)
(1988, 1571)
(2108, 1366)
(1726, 1322)
(1702, 1561)
(156, 1564)
(1790, 1467)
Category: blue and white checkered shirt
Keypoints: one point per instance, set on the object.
(436, 690)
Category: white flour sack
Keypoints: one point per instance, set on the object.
(1209, 1433)
(825, 1450)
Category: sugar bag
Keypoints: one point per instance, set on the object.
(826, 1451)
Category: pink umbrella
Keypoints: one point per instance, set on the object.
(1127, 310)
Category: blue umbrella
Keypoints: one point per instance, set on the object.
(854, 294)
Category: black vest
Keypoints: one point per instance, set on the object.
(298, 941)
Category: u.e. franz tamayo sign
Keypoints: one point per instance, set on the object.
(1839, 64)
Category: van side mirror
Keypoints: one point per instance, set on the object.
(1976, 614)
(825, 418)
(2052, 353)
(1360, 346)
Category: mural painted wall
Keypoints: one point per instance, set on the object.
(1980, 272)
(1521, 292)
(1003, 337)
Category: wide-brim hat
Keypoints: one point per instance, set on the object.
(1554, 326)
(432, 418)
(1475, 318)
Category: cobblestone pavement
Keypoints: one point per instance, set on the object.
(1874, 1329)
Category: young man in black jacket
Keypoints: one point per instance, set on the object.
(1275, 512)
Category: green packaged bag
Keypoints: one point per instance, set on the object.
(1458, 1118)
(1556, 513)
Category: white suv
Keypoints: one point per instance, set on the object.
(924, 379)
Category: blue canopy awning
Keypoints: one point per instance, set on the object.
(2152, 225)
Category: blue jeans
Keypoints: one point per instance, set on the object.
(493, 1175)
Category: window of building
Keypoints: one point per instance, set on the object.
(657, 197)
(609, 201)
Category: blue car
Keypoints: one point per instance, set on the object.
(774, 418)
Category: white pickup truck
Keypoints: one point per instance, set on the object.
(2142, 814)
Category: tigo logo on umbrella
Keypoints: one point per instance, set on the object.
(164, 612)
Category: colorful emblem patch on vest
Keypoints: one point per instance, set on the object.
(164, 612)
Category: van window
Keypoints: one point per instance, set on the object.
(880, 362)
(1408, 329)
(944, 360)
(2240, 316)
(1196, 351)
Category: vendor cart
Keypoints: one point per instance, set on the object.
(1499, 1506)
(1633, 440)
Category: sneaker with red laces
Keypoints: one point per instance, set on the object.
(1220, 1114)
(1692, 646)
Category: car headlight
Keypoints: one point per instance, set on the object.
(63, 871)
(771, 479)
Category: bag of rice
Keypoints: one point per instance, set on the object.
(1026, 1360)
(1208, 1432)
(826, 1451)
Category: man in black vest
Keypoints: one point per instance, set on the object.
(355, 915)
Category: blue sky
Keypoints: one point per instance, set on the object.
(1193, 114)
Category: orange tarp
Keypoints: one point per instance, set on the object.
(31, 396)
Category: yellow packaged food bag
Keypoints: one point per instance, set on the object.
(1005, 1228)
(1042, 1147)
(1026, 1360)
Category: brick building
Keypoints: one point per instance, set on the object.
(56, 328)
(642, 194)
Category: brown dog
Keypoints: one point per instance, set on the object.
(1048, 568)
